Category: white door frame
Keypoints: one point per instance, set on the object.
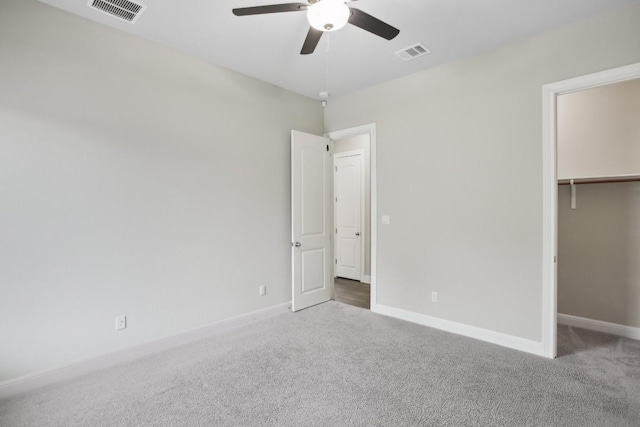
(363, 229)
(369, 129)
(550, 94)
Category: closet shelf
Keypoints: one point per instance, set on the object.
(600, 179)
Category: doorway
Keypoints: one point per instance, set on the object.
(551, 93)
(598, 214)
(312, 221)
(354, 206)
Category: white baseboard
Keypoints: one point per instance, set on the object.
(39, 379)
(366, 279)
(600, 326)
(510, 341)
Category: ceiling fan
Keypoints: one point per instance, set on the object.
(325, 15)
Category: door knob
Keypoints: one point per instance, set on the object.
(357, 234)
(297, 244)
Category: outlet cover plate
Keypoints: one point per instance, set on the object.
(121, 322)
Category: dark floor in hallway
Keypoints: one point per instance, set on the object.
(352, 292)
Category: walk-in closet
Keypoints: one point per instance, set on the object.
(599, 209)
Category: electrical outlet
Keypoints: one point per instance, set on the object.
(263, 290)
(434, 297)
(121, 322)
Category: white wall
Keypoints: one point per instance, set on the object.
(459, 169)
(133, 180)
(361, 142)
(599, 131)
(599, 252)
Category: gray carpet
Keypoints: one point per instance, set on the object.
(337, 365)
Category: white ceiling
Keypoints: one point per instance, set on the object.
(267, 46)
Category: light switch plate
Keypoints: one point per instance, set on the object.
(386, 219)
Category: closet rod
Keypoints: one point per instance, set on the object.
(601, 180)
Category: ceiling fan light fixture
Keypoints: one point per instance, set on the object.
(328, 15)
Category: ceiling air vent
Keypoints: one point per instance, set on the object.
(123, 9)
(412, 52)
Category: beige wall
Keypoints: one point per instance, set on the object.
(599, 131)
(361, 142)
(599, 252)
(459, 170)
(133, 180)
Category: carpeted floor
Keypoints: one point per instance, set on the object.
(337, 365)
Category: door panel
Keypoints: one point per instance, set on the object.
(348, 209)
(313, 277)
(347, 252)
(312, 190)
(310, 220)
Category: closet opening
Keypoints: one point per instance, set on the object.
(591, 248)
(598, 278)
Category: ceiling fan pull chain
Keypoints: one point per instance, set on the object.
(326, 71)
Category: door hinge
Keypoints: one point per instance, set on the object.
(336, 231)
(336, 169)
(336, 261)
(327, 147)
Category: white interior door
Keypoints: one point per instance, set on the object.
(311, 220)
(348, 215)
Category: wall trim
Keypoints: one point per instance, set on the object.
(493, 337)
(366, 279)
(550, 93)
(600, 326)
(51, 376)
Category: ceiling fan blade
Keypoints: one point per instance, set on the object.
(271, 8)
(310, 43)
(373, 25)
